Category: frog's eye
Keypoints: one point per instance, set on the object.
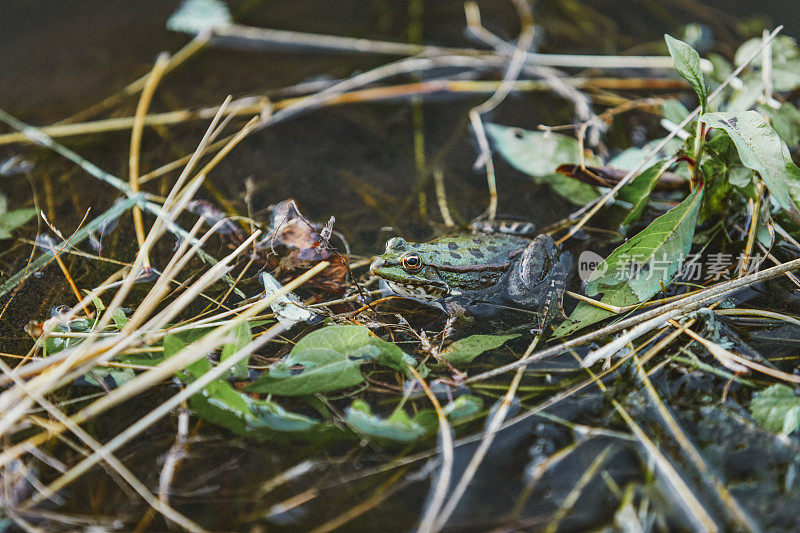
(411, 262)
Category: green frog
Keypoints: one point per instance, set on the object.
(478, 274)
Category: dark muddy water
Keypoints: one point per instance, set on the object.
(57, 58)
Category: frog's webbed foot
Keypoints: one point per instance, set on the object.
(538, 280)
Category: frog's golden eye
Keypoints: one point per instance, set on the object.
(411, 262)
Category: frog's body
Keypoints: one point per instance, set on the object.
(476, 274)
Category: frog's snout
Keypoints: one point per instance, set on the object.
(375, 265)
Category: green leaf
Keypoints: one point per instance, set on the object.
(761, 149)
(463, 351)
(631, 158)
(687, 63)
(221, 404)
(329, 359)
(538, 154)
(398, 427)
(637, 192)
(313, 371)
(745, 97)
(466, 406)
(172, 345)
(785, 120)
(11, 220)
(118, 376)
(98, 303)
(634, 272)
(785, 61)
(674, 111)
(794, 179)
(242, 336)
(119, 318)
(720, 67)
(777, 409)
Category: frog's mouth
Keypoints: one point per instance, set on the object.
(422, 292)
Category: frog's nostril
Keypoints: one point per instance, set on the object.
(376, 264)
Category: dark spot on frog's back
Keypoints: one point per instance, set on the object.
(455, 255)
(452, 245)
(493, 248)
(477, 253)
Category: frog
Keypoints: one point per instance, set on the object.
(478, 274)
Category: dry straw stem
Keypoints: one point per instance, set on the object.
(571, 499)
(39, 137)
(115, 463)
(486, 441)
(173, 205)
(515, 64)
(386, 489)
(737, 513)
(302, 40)
(737, 363)
(260, 104)
(136, 142)
(185, 357)
(91, 352)
(438, 492)
(653, 151)
(700, 518)
(649, 320)
(158, 374)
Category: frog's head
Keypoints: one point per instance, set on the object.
(403, 266)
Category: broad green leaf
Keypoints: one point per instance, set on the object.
(11, 220)
(793, 172)
(785, 120)
(720, 67)
(631, 158)
(746, 96)
(740, 176)
(312, 371)
(221, 404)
(463, 351)
(172, 345)
(398, 427)
(761, 149)
(242, 336)
(345, 338)
(329, 359)
(637, 192)
(465, 406)
(777, 409)
(538, 154)
(575, 191)
(674, 111)
(119, 318)
(687, 63)
(104, 376)
(634, 272)
(785, 61)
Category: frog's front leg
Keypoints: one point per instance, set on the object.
(538, 279)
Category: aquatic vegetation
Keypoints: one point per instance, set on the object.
(397, 352)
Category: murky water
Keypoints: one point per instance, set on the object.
(354, 162)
